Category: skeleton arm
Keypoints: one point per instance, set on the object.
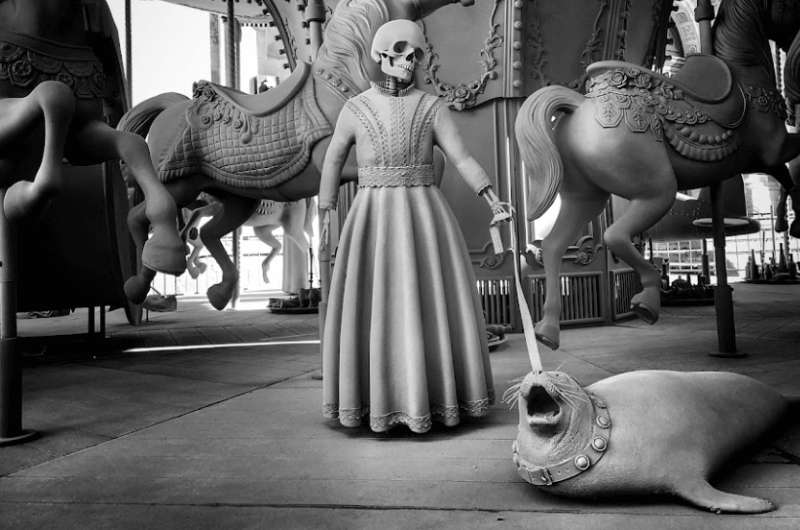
(449, 139)
(335, 157)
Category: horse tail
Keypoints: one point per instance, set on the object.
(139, 119)
(535, 136)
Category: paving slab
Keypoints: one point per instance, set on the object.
(226, 434)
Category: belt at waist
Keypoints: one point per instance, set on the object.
(406, 176)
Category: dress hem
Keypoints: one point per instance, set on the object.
(449, 416)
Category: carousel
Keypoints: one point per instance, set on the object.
(275, 143)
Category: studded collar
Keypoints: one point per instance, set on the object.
(572, 466)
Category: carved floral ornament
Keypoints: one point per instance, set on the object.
(24, 67)
(464, 95)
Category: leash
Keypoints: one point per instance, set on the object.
(527, 321)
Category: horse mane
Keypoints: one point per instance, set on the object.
(786, 21)
(348, 39)
(740, 34)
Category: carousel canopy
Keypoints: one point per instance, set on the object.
(255, 12)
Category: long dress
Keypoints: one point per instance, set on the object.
(404, 339)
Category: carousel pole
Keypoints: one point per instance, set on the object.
(315, 16)
(723, 299)
(128, 53)
(233, 82)
(11, 431)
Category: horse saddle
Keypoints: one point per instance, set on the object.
(265, 102)
(697, 109)
(704, 77)
(703, 82)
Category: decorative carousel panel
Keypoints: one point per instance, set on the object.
(554, 42)
(245, 10)
(465, 63)
(288, 17)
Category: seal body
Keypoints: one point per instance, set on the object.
(642, 432)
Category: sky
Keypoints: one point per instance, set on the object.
(171, 47)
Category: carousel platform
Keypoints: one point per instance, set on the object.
(204, 419)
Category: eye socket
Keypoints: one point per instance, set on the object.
(399, 46)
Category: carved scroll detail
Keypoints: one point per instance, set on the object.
(464, 95)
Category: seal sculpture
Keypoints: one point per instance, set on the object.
(640, 433)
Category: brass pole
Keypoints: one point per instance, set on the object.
(703, 15)
(11, 431)
(128, 52)
(315, 16)
(233, 82)
(723, 296)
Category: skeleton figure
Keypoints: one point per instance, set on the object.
(404, 340)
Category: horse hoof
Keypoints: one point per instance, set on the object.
(220, 294)
(136, 289)
(21, 201)
(164, 254)
(794, 231)
(781, 225)
(549, 335)
(646, 313)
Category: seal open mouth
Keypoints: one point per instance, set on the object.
(542, 409)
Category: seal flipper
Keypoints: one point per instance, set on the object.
(704, 495)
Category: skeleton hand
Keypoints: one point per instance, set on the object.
(501, 211)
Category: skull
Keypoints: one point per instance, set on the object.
(398, 45)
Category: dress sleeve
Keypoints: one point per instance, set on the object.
(335, 157)
(448, 138)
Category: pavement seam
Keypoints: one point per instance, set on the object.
(589, 511)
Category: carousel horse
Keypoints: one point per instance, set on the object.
(243, 148)
(781, 221)
(643, 136)
(58, 61)
(295, 218)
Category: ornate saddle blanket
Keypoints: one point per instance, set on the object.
(26, 61)
(249, 142)
(698, 117)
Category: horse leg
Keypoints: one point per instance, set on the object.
(54, 103)
(781, 174)
(183, 192)
(295, 255)
(136, 287)
(793, 188)
(264, 233)
(194, 266)
(95, 141)
(577, 209)
(641, 214)
(235, 211)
